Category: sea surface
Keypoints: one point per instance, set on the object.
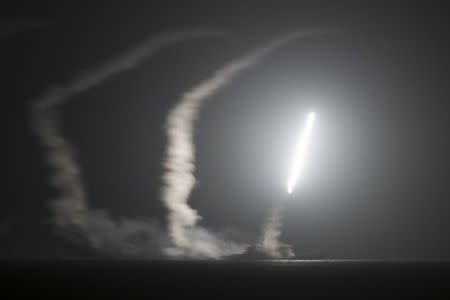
(137, 279)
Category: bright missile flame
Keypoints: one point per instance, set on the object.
(300, 158)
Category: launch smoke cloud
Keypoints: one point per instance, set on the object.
(270, 240)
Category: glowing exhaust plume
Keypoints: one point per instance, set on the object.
(300, 158)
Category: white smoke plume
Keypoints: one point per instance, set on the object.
(179, 163)
(270, 239)
(71, 209)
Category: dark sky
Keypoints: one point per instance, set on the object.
(377, 182)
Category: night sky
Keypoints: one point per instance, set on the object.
(376, 182)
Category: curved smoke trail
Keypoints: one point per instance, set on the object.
(189, 238)
(71, 209)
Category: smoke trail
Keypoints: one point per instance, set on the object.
(272, 231)
(270, 240)
(179, 165)
(70, 210)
